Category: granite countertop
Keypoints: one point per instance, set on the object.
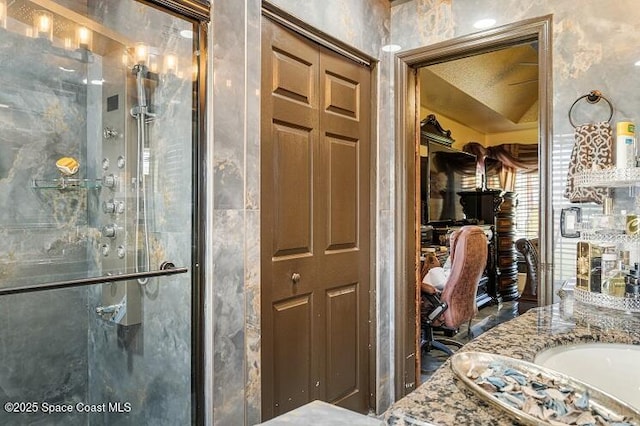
(444, 400)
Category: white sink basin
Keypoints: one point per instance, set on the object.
(611, 367)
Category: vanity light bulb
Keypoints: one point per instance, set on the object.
(3, 13)
(142, 53)
(84, 38)
(43, 24)
(170, 63)
(153, 63)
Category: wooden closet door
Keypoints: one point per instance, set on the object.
(315, 225)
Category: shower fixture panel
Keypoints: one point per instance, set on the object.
(124, 223)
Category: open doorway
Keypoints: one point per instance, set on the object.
(417, 71)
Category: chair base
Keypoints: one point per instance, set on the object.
(447, 331)
(441, 345)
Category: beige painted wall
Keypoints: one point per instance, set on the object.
(464, 134)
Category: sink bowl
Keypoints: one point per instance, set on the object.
(610, 367)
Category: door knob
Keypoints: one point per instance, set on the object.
(295, 277)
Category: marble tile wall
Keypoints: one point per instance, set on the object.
(234, 166)
(593, 47)
(149, 365)
(54, 347)
(42, 336)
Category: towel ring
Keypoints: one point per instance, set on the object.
(592, 97)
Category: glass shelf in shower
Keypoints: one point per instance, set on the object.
(611, 178)
(66, 183)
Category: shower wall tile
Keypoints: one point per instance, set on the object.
(43, 351)
(146, 365)
(43, 233)
(149, 364)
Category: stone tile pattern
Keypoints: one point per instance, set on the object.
(444, 400)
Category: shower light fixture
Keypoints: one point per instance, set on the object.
(43, 24)
(142, 53)
(84, 38)
(170, 63)
(3, 14)
(153, 63)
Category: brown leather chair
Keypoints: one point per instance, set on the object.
(457, 302)
(529, 250)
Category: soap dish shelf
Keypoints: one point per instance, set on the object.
(627, 304)
(66, 183)
(610, 178)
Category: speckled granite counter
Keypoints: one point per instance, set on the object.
(444, 400)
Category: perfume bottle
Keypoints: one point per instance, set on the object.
(617, 282)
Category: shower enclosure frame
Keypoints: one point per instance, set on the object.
(198, 13)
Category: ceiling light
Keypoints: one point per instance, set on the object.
(637, 64)
(391, 48)
(186, 34)
(484, 23)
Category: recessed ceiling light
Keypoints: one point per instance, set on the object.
(391, 48)
(637, 64)
(484, 23)
(186, 34)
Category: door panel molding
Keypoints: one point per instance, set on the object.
(316, 170)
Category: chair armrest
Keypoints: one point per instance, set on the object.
(438, 306)
(428, 288)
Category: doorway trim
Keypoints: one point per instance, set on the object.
(407, 141)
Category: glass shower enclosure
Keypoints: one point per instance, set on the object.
(100, 112)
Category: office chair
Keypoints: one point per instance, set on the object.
(457, 302)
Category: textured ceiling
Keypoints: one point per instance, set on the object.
(492, 92)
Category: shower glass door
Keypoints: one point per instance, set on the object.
(99, 118)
